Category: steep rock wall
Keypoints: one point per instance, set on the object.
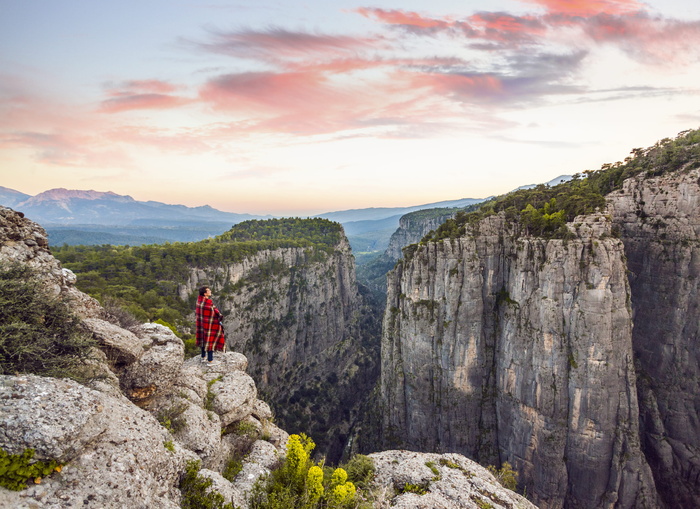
(519, 349)
(297, 315)
(659, 222)
(412, 228)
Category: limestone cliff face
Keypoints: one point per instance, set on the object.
(412, 228)
(511, 348)
(659, 222)
(297, 315)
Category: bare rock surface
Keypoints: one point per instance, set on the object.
(659, 221)
(234, 396)
(441, 481)
(122, 346)
(158, 366)
(113, 451)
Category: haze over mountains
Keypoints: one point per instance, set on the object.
(93, 217)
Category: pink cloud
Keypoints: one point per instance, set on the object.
(279, 45)
(314, 102)
(405, 18)
(626, 23)
(487, 26)
(142, 102)
(142, 95)
(504, 26)
(590, 7)
(461, 86)
(69, 149)
(267, 90)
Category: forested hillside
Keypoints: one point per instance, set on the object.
(143, 279)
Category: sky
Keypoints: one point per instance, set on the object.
(303, 107)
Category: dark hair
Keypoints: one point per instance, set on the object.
(203, 290)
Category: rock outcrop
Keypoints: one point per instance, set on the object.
(512, 348)
(115, 453)
(440, 481)
(659, 223)
(297, 315)
(23, 241)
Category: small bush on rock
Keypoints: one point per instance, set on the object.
(194, 490)
(360, 470)
(171, 417)
(505, 475)
(17, 469)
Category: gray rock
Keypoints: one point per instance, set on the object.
(261, 410)
(113, 452)
(234, 397)
(258, 463)
(157, 368)
(24, 241)
(659, 221)
(447, 481)
(201, 432)
(121, 346)
(221, 485)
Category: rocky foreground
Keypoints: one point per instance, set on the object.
(127, 438)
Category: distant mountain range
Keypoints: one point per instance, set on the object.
(95, 217)
(71, 207)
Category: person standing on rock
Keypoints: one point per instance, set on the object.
(210, 332)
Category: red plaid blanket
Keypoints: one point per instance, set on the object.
(210, 333)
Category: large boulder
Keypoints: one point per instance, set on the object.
(114, 454)
(121, 346)
(158, 367)
(412, 480)
(235, 396)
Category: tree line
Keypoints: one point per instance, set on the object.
(544, 211)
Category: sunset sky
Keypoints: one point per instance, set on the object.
(301, 107)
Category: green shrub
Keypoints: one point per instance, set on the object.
(505, 475)
(160, 321)
(418, 489)
(17, 469)
(171, 418)
(360, 470)
(233, 466)
(300, 484)
(194, 490)
(38, 333)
